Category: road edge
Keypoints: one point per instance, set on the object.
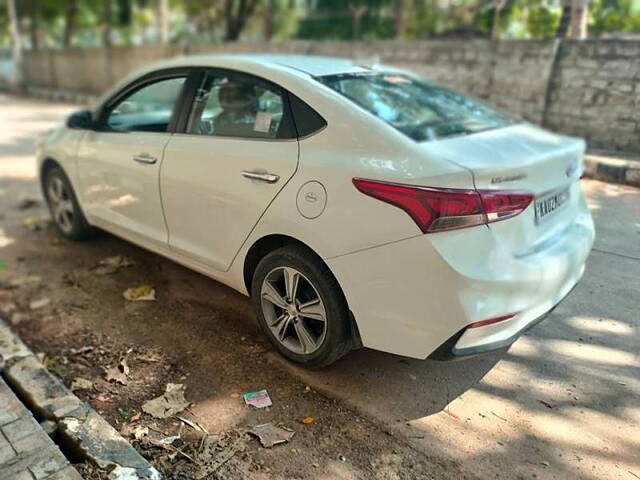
(612, 170)
(80, 428)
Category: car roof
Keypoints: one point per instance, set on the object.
(314, 65)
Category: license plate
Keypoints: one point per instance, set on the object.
(549, 204)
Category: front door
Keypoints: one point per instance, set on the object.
(119, 162)
(237, 150)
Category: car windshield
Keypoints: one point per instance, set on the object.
(418, 109)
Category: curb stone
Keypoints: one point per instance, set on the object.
(612, 170)
(80, 428)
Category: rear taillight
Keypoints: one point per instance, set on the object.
(440, 209)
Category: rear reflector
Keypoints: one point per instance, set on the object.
(491, 321)
(440, 209)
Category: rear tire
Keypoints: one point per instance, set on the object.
(64, 207)
(300, 307)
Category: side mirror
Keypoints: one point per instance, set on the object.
(82, 119)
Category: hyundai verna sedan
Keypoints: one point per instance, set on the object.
(355, 205)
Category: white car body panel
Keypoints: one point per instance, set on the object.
(115, 189)
(409, 292)
(210, 207)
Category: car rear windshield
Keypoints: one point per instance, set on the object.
(418, 109)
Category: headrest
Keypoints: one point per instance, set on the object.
(234, 95)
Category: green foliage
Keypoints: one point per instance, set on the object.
(542, 21)
(134, 21)
(614, 16)
(334, 19)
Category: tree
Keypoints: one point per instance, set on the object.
(34, 24)
(69, 22)
(237, 12)
(357, 9)
(16, 44)
(579, 11)
(268, 20)
(401, 10)
(163, 20)
(498, 5)
(107, 22)
(565, 19)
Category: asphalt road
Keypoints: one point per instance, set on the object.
(563, 402)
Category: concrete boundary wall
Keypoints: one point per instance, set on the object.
(587, 88)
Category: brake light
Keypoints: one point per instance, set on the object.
(440, 209)
(491, 321)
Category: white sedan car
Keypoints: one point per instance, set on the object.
(356, 205)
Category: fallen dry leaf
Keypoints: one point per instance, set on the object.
(270, 435)
(80, 383)
(118, 373)
(40, 303)
(111, 265)
(172, 401)
(141, 293)
(307, 420)
(194, 425)
(27, 203)
(140, 432)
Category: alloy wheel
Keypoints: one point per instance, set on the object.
(61, 204)
(293, 310)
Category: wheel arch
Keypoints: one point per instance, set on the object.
(265, 245)
(47, 164)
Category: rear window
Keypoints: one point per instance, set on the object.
(418, 109)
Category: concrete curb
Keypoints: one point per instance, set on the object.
(612, 170)
(81, 429)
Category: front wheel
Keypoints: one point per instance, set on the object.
(300, 307)
(64, 207)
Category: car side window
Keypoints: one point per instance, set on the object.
(238, 105)
(148, 109)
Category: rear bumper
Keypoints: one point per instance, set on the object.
(416, 296)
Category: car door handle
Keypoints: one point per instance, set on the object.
(145, 158)
(262, 176)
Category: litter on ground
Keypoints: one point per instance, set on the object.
(259, 399)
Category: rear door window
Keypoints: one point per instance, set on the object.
(230, 104)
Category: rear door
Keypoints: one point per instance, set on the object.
(235, 150)
(119, 161)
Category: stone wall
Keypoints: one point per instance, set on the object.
(585, 88)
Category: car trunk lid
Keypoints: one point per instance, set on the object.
(526, 158)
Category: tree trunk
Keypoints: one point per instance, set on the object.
(268, 20)
(400, 17)
(34, 24)
(579, 11)
(16, 44)
(236, 18)
(358, 13)
(163, 20)
(565, 19)
(498, 5)
(69, 23)
(107, 22)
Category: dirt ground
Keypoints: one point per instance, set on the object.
(374, 415)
